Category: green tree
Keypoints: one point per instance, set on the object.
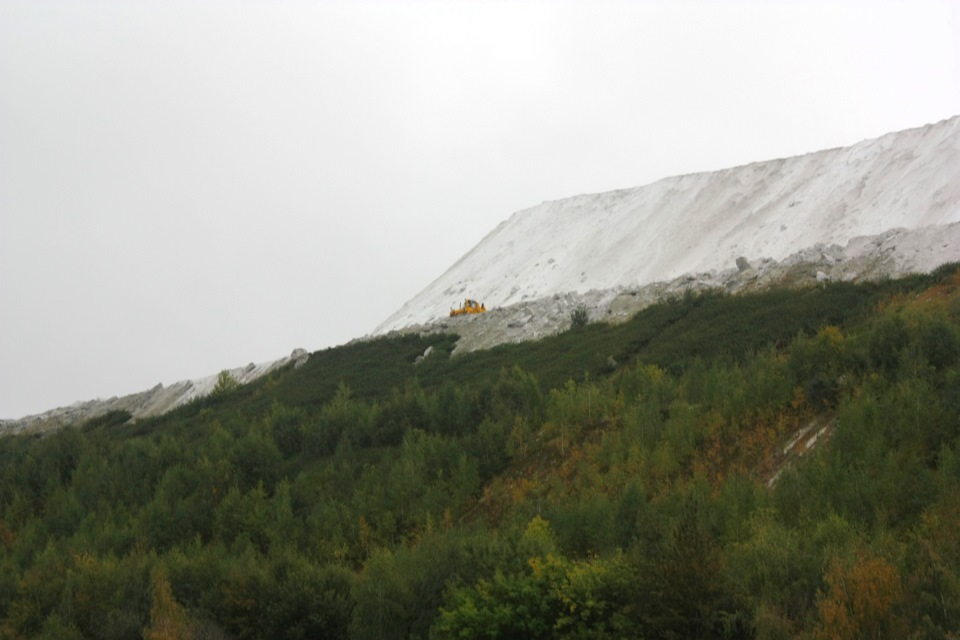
(286, 427)
(685, 582)
(225, 384)
(551, 597)
(257, 459)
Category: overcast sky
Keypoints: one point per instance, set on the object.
(189, 186)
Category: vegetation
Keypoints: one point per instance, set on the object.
(225, 383)
(626, 481)
(579, 317)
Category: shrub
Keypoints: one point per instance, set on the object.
(579, 317)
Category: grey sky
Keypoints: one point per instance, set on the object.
(190, 186)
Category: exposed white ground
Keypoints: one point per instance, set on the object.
(702, 223)
(892, 253)
(887, 206)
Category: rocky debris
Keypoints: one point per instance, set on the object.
(423, 356)
(299, 357)
(891, 254)
(742, 264)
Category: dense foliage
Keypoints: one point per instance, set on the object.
(777, 465)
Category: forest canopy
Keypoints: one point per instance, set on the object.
(775, 465)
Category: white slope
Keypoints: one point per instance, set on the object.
(703, 222)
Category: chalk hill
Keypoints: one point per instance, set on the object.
(703, 222)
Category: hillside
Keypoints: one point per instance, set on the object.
(775, 464)
(702, 223)
(152, 402)
(764, 443)
(881, 208)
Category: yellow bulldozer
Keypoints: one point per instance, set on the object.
(468, 307)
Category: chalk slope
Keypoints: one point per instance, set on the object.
(703, 222)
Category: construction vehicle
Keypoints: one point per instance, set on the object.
(467, 308)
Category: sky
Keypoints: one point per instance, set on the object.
(191, 186)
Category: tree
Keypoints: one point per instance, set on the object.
(552, 597)
(257, 459)
(225, 384)
(168, 620)
(286, 426)
(861, 601)
(684, 581)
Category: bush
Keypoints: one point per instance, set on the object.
(579, 317)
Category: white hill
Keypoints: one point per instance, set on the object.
(703, 222)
